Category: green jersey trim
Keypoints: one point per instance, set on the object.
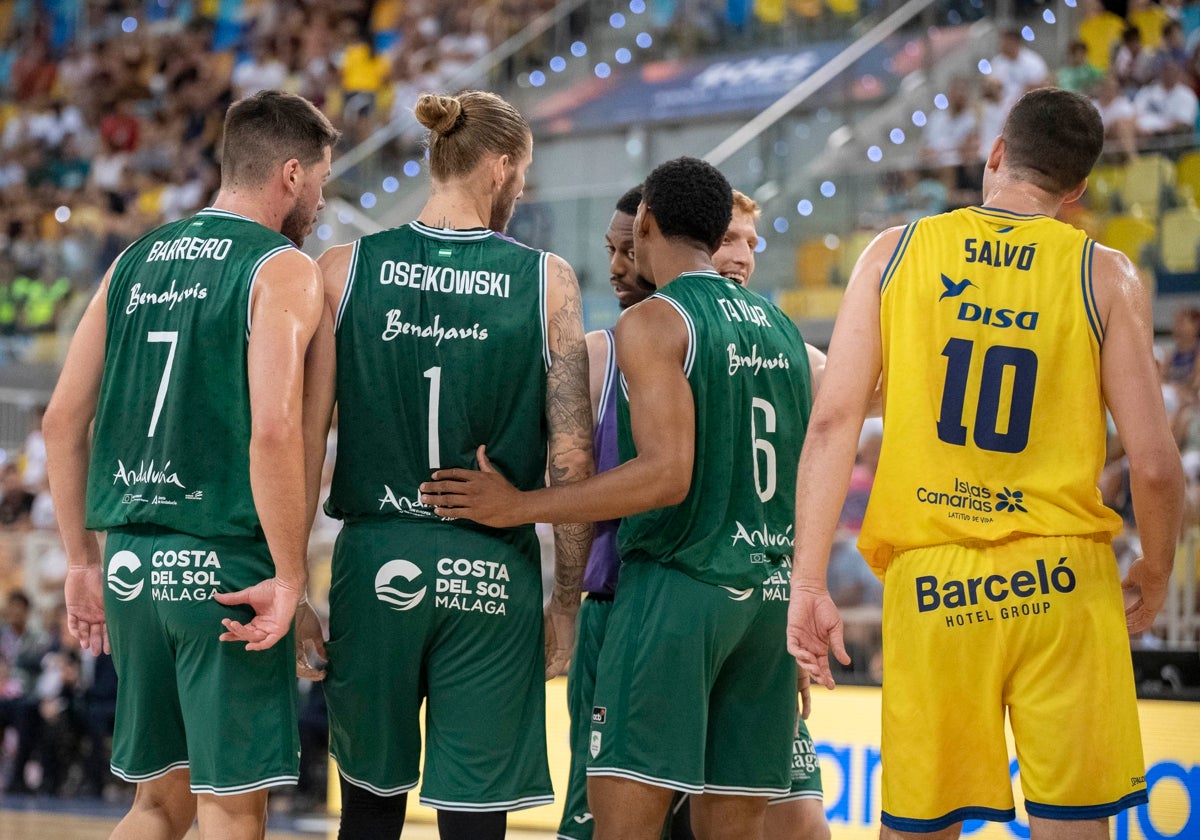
(543, 302)
(227, 214)
(449, 234)
(690, 357)
(254, 279)
(349, 284)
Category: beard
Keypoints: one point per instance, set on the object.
(503, 206)
(295, 224)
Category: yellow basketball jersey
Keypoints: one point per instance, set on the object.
(994, 423)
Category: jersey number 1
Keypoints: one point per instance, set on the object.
(997, 359)
(434, 375)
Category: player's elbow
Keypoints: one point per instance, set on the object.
(833, 419)
(60, 426)
(675, 494)
(1160, 475)
(275, 431)
(673, 481)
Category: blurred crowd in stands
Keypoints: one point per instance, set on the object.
(110, 116)
(1142, 72)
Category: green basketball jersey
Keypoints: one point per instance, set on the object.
(171, 445)
(441, 347)
(751, 387)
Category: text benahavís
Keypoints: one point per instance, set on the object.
(170, 297)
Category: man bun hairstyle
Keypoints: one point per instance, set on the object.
(438, 113)
(466, 127)
(268, 128)
(1052, 138)
(690, 199)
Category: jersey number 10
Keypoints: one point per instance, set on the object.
(996, 360)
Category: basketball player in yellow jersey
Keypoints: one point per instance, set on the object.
(1001, 335)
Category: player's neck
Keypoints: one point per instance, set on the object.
(449, 208)
(252, 206)
(1023, 199)
(676, 260)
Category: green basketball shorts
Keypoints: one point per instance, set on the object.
(185, 699)
(429, 611)
(577, 822)
(695, 690)
(806, 768)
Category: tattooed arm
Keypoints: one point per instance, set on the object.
(569, 416)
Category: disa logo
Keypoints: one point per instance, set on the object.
(124, 561)
(397, 598)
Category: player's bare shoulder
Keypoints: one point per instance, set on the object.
(560, 277)
(652, 327)
(1116, 283)
(335, 265)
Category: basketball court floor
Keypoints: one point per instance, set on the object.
(23, 818)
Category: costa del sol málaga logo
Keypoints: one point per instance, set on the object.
(395, 597)
(125, 561)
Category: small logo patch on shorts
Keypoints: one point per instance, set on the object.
(599, 714)
(595, 748)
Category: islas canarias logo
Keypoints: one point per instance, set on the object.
(124, 561)
(396, 596)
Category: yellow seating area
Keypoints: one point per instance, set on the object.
(1147, 209)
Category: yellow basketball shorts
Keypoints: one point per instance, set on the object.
(1034, 627)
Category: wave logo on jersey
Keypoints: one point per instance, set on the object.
(954, 289)
(738, 594)
(397, 598)
(124, 561)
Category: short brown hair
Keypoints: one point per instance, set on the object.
(463, 128)
(268, 128)
(1052, 139)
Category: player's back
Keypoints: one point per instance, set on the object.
(172, 435)
(994, 420)
(441, 346)
(748, 371)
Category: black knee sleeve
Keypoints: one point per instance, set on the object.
(369, 816)
(472, 825)
(680, 818)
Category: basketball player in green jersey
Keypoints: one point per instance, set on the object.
(449, 335)
(191, 358)
(693, 692)
(799, 814)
